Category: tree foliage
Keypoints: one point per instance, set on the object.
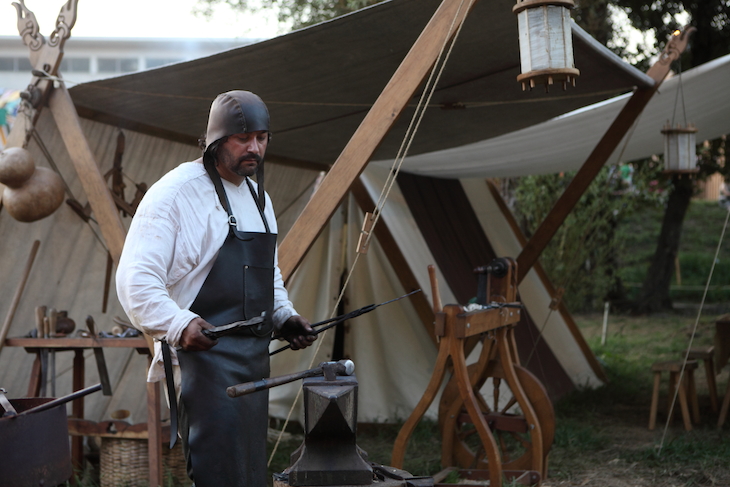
(711, 18)
(662, 17)
(300, 12)
(582, 258)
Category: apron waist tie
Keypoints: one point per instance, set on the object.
(172, 396)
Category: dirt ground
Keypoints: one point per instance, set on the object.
(616, 466)
(628, 454)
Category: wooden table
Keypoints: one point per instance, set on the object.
(78, 428)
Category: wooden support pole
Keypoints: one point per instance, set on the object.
(18, 294)
(591, 167)
(77, 410)
(91, 179)
(376, 124)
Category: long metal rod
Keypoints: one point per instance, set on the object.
(347, 316)
(62, 400)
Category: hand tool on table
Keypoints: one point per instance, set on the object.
(40, 315)
(234, 327)
(330, 370)
(5, 404)
(347, 316)
(100, 362)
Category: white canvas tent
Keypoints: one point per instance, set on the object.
(319, 82)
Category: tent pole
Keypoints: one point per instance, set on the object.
(366, 139)
(545, 280)
(98, 193)
(397, 260)
(606, 146)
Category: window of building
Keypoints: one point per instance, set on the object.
(7, 64)
(15, 64)
(76, 65)
(24, 64)
(117, 65)
(152, 62)
(128, 65)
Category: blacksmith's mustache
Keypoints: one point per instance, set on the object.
(252, 155)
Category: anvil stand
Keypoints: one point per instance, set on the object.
(453, 327)
(329, 455)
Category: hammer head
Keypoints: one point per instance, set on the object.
(331, 370)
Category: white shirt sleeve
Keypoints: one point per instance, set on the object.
(142, 278)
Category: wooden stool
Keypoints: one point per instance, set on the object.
(707, 355)
(725, 407)
(687, 387)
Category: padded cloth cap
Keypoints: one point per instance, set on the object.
(236, 112)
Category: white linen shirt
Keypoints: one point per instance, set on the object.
(175, 235)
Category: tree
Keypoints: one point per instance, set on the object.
(300, 12)
(712, 40)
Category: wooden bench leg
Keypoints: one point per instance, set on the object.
(654, 400)
(682, 394)
(692, 391)
(711, 382)
(670, 396)
(725, 406)
(34, 384)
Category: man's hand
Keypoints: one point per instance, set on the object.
(192, 338)
(298, 332)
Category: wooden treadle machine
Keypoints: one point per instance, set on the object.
(507, 432)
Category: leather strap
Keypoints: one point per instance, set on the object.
(172, 396)
(223, 197)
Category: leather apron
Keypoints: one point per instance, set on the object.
(224, 439)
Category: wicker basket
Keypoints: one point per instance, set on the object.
(124, 463)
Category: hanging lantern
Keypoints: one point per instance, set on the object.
(680, 150)
(546, 43)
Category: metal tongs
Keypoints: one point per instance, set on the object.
(234, 327)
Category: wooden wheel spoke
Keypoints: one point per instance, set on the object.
(503, 447)
(509, 404)
(515, 447)
(524, 441)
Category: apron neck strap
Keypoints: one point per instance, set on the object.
(223, 197)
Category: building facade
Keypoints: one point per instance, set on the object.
(89, 58)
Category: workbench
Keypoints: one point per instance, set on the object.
(77, 425)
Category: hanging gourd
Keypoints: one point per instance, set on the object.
(546, 43)
(31, 193)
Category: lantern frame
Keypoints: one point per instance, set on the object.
(555, 40)
(679, 143)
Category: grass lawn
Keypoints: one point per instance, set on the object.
(602, 437)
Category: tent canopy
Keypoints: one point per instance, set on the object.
(564, 143)
(320, 81)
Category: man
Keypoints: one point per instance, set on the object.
(201, 253)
